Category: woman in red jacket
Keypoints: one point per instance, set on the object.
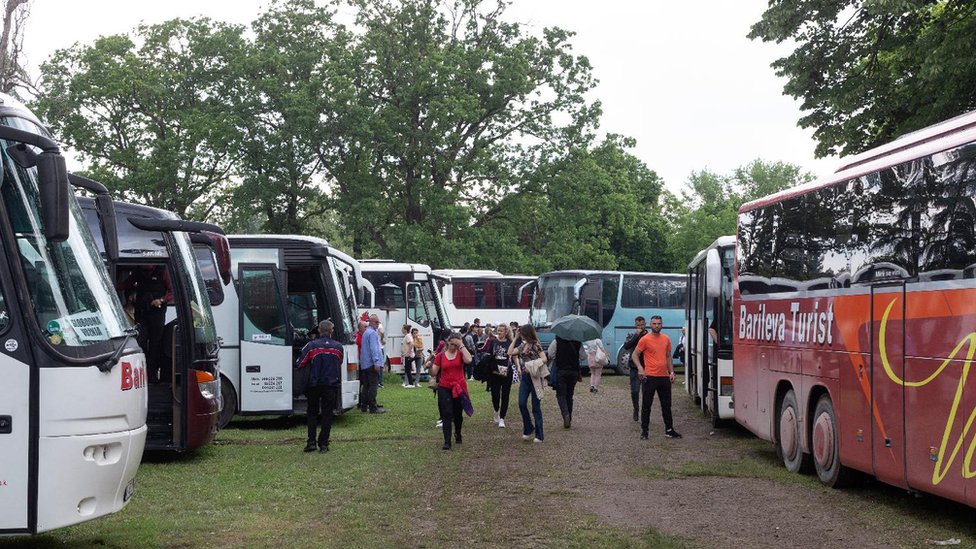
(451, 387)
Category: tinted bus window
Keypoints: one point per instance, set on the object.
(211, 277)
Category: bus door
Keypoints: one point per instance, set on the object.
(887, 396)
(417, 317)
(266, 353)
(18, 425)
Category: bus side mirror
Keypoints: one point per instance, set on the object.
(52, 175)
(713, 274)
(108, 225)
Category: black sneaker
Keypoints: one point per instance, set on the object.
(643, 435)
(635, 416)
(323, 448)
(671, 433)
(447, 446)
(458, 439)
(378, 411)
(310, 447)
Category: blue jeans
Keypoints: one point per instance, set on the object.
(526, 388)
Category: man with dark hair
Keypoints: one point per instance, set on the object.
(657, 376)
(635, 384)
(325, 358)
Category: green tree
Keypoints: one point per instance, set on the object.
(708, 206)
(155, 117)
(869, 71)
(454, 106)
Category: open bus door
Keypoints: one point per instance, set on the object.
(266, 349)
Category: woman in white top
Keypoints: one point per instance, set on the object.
(407, 354)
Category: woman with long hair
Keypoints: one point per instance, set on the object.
(526, 347)
(451, 388)
(500, 378)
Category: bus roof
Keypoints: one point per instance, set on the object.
(939, 137)
(466, 273)
(720, 242)
(373, 265)
(592, 273)
(278, 239)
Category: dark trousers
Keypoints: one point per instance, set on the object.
(501, 389)
(661, 386)
(408, 369)
(322, 402)
(635, 387)
(451, 413)
(371, 381)
(565, 389)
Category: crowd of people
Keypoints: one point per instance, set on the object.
(501, 356)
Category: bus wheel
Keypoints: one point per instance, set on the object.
(789, 442)
(717, 421)
(623, 363)
(826, 455)
(228, 403)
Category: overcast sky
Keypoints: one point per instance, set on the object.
(680, 77)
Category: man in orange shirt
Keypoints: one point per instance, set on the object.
(656, 377)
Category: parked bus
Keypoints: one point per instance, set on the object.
(156, 262)
(855, 316)
(73, 394)
(284, 285)
(490, 296)
(404, 293)
(613, 299)
(708, 319)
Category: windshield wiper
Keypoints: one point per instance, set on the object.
(114, 359)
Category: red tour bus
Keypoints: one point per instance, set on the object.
(855, 316)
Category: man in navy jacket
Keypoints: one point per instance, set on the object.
(324, 357)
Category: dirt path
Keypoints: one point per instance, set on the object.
(600, 468)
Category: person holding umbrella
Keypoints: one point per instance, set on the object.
(570, 331)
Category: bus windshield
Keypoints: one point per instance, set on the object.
(432, 301)
(203, 324)
(73, 300)
(347, 305)
(553, 299)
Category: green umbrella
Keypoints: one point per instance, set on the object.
(576, 328)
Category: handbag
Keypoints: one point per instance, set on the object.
(602, 360)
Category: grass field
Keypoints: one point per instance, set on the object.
(387, 483)
(255, 487)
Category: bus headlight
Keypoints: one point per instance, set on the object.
(208, 384)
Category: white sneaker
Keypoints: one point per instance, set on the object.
(501, 423)
(440, 423)
(536, 440)
(528, 437)
(495, 417)
(404, 386)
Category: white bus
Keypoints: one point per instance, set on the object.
(283, 285)
(403, 293)
(73, 391)
(487, 295)
(708, 321)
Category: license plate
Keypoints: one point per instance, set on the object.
(129, 490)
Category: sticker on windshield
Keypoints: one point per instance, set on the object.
(55, 338)
(88, 326)
(11, 345)
(261, 337)
(53, 327)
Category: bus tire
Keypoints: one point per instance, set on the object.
(228, 403)
(717, 421)
(825, 445)
(623, 363)
(789, 441)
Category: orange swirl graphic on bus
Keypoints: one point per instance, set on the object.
(942, 463)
